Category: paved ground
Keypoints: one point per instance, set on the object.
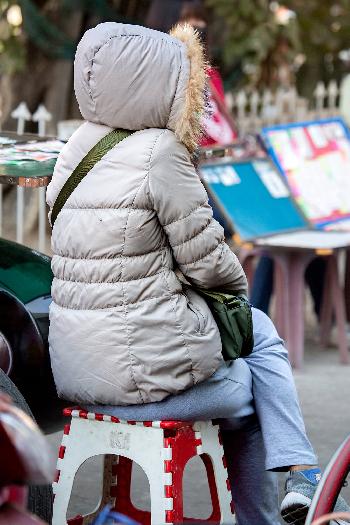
(324, 389)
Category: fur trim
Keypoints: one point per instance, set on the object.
(188, 128)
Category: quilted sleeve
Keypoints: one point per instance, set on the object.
(181, 203)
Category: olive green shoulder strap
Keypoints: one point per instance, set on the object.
(93, 156)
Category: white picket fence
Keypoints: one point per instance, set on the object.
(253, 109)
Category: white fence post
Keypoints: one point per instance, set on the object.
(22, 114)
(268, 110)
(320, 96)
(254, 103)
(42, 116)
(241, 103)
(253, 109)
(333, 93)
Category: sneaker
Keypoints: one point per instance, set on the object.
(300, 489)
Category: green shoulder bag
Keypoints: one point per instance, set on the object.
(233, 315)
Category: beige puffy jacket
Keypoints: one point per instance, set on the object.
(123, 330)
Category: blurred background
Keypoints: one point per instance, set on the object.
(261, 47)
(274, 63)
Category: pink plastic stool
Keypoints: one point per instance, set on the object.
(161, 448)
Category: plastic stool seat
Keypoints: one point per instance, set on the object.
(78, 412)
(161, 448)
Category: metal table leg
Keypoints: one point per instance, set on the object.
(42, 219)
(20, 214)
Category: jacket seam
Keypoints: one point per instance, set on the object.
(113, 257)
(116, 306)
(203, 256)
(111, 282)
(131, 358)
(176, 91)
(125, 310)
(94, 57)
(206, 226)
(186, 216)
(131, 207)
(177, 323)
(113, 208)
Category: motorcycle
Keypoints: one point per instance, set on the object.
(25, 459)
(25, 297)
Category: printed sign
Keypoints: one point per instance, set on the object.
(314, 158)
(252, 197)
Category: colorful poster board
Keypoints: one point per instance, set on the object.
(253, 197)
(314, 158)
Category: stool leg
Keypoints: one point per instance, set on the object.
(167, 490)
(62, 486)
(162, 503)
(71, 456)
(216, 513)
(62, 490)
(212, 447)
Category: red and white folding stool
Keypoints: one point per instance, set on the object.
(161, 448)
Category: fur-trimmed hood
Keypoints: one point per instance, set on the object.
(131, 77)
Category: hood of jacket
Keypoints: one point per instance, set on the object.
(131, 77)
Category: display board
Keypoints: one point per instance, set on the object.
(314, 157)
(253, 197)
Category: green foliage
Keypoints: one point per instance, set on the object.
(11, 46)
(319, 30)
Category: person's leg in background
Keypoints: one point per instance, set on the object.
(262, 288)
(315, 277)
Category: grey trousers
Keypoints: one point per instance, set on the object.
(257, 406)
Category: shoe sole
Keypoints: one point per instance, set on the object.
(295, 514)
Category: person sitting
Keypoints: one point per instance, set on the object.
(127, 337)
